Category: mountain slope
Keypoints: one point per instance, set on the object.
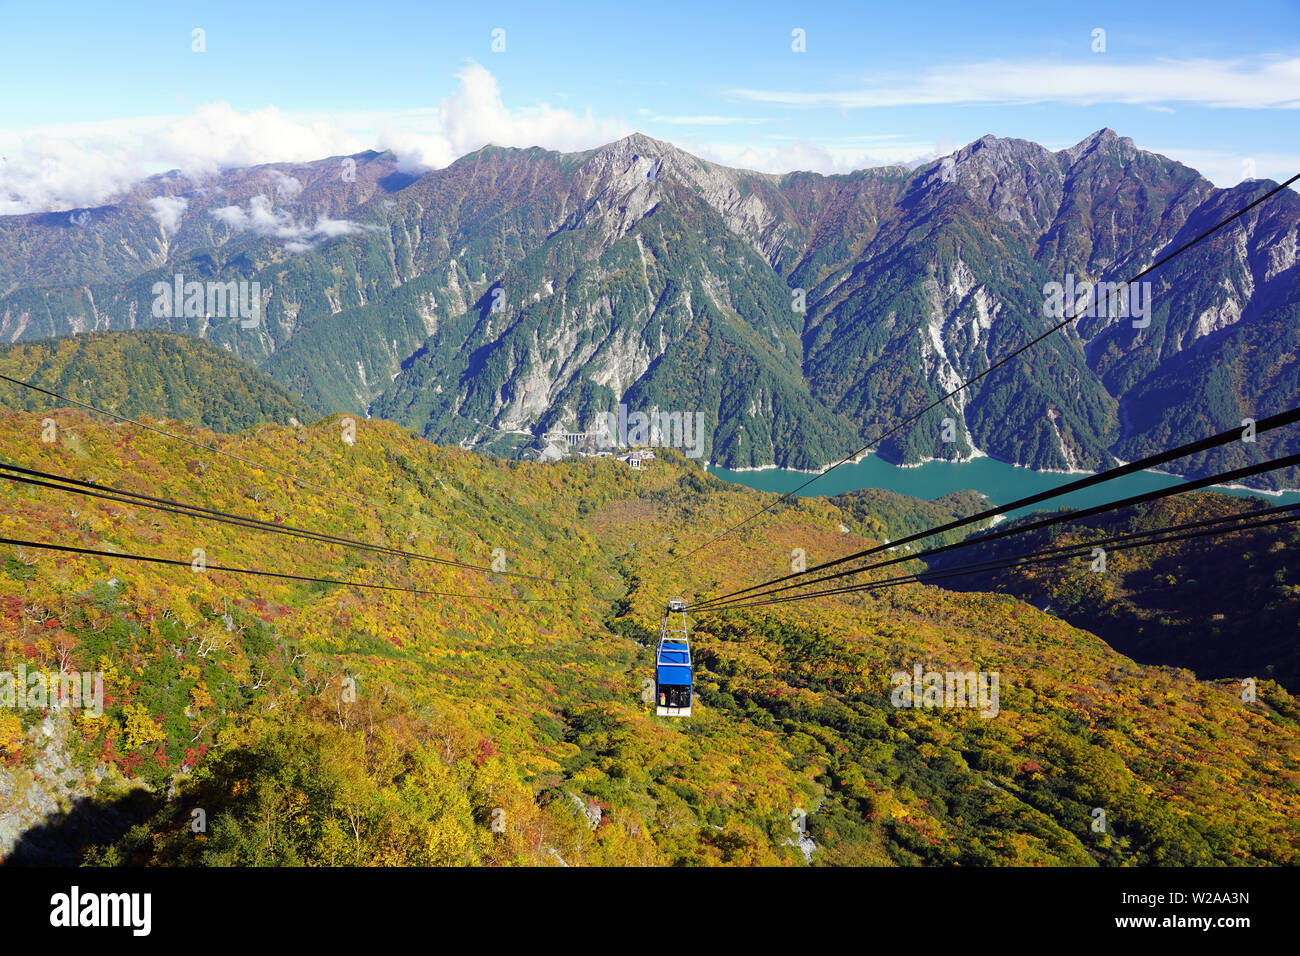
(1221, 606)
(638, 273)
(148, 374)
(658, 306)
(320, 724)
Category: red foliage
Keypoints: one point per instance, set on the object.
(13, 609)
(485, 750)
(130, 764)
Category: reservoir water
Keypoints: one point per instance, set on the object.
(997, 480)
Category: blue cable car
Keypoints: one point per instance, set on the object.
(673, 665)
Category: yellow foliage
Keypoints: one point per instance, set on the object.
(199, 699)
(141, 728)
(11, 734)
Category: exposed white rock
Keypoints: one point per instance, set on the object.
(1282, 254)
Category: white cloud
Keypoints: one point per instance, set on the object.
(168, 210)
(329, 228)
(49, 172)
(1250, 83)
(286, 186)
(259, 218)
(262, 219)
(219, 137)
(839, 155)
(74, 165)
(800, 155)
(475, 115)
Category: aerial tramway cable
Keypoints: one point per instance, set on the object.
(92, 552)
(304, 482)
(1063, 517)
(1287, 514)
(1152, 461)
(30, 476)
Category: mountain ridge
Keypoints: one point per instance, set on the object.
(611, 262)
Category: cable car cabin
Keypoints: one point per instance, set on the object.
(673, 680)
(673, 665)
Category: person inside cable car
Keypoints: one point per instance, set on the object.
(674, 695)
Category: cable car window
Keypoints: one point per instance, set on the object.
(674, 695)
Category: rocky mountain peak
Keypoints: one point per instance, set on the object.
(1105, 141)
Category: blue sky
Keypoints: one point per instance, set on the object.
(97, 94)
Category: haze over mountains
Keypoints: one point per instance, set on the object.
(521, 291)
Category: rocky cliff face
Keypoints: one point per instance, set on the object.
(41, 820)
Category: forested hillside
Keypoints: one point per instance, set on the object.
(318, 723)
(138, 374)
(1224, 605)
(887, 514)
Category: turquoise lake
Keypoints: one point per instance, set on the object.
(997, 480)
